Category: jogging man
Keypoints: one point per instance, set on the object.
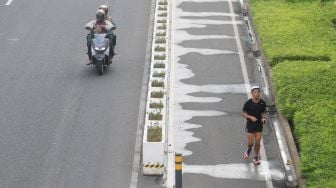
(254, 112)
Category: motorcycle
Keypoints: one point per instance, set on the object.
(100, 47)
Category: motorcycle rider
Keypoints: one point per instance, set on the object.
(108, 18)
(99, 25)
(111, 35)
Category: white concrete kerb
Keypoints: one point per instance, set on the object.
(154, 152)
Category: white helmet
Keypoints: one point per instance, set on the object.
(255, 87)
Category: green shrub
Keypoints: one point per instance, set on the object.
(160, 40)
(333, 21)
(154, 134)
(297, 29)
(162, 26)
(155, 116)
(162, 21)
(297, 84)
(161, 34)
(162, 8)
(305, 93)
(156, 83)
(160, 49)
(299, 41)
(160, 57)
(157, 94)
(164, 14)
(156, 105)
(159, 65)
(164, 2)
(315, 129)
(159, 74)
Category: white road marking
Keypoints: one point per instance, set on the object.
(233, 171)
(13, 39)
(267, 174)
(9, 2)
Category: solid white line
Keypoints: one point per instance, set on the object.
(9, 2)
(143, 99)
(268, 177)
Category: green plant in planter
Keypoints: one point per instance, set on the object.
(164, 2)
(160, 57)
(159, 65)
(162, 27)
(162, 7)
(160, 40)
(161, 34)
(155, 116)
(163, 14)
(156, 83)
(154, 134)
(157, 94)
(160, 49)
(159, 74)
(156, 105)
(162, 21)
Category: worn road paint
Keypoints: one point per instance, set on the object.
(233, 171)
(9, 2)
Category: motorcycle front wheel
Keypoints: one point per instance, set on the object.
(100, 67)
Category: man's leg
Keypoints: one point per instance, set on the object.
(250, 141)
(257, 136)
(256, 158)
(88, 42)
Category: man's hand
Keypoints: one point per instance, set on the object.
(252, 118)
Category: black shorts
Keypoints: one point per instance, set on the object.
(254, 128)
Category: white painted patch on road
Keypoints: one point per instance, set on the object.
(13, 39)
(206, 14)
(9, 2)
(233, 171)
(181, 35)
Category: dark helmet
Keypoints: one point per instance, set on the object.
(100, 15)
(104, 8)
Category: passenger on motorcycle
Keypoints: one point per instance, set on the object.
(99, 25)
(108, 18)
(111, 35)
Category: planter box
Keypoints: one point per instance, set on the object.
(153, 155)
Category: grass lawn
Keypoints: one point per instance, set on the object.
(295, 29)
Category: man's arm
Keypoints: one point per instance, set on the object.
(252, 118)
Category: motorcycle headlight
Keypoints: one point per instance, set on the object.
(100, 49)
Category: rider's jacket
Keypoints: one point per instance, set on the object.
(108, 18)
(100, 27)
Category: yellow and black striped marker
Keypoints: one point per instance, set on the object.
(178, 170)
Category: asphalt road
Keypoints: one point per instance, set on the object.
(62, 125)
